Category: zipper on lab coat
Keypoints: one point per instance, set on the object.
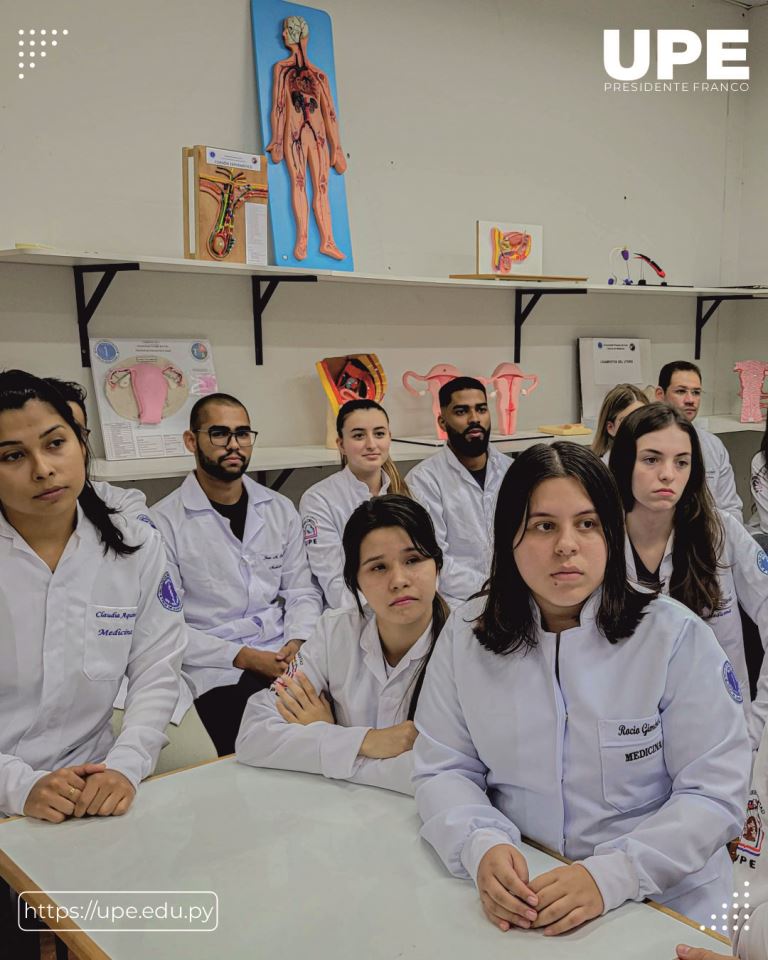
(562, 712)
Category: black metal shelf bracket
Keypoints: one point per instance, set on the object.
(702, 317)
(260, 301)
(86, 309)
(261, 477)
(523, 311)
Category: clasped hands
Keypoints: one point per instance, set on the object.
(88, 788)
(555, 901)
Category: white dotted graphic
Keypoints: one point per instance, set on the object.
(26, 58)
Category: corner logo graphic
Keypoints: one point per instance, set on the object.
(725, 52)
(34, 45)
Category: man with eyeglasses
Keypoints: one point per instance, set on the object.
(680, 386)
(236, 551)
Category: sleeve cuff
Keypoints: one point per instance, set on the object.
(17, 793)
(615, 877)
(478, 844)
(128, 761)
(339, 753)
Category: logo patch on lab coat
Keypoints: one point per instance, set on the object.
(146, 519)
(752, 836)
(762, 561)
(309, 526)
(731, 683)
(166, 594)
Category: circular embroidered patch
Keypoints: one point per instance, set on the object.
(166, 594)
(309, 526)
(762, 561)
(731, 683)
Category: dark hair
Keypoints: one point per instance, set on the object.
(396, 483)
(617, 399)
(508, 622)
(458, 383)
(196, 413)
(17, 387)
(698, 530)
(665, 374)
(71, 391)
(393, 510)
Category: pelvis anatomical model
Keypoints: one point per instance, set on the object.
(754, 399)
(146, 390)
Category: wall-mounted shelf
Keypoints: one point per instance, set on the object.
(109, 265)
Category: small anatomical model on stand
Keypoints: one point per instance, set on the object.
(507, 381)
(305, 132)
(754, 399)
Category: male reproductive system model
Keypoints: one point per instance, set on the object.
(145, 390)
(506, 383)
(754, 399)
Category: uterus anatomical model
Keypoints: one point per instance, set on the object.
(305, 133)
(507, 382)
(434, 379)
(155, 390)
(754, 399)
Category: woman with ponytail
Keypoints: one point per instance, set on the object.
(360, 674)
(363, 438)
(86, 600)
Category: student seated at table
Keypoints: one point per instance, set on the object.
(363, 438)
(348, 711)
(126, 499)
(86, 598)
(567, 707)
(680, 543)
(618, 403)
(235, 549)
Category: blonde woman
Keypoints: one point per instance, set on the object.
(618, 403)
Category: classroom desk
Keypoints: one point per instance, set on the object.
(304, 868)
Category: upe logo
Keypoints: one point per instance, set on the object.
(677, 48)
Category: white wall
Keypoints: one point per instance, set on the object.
(450, 112)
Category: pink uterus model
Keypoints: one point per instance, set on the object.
(507, 382)
(434, 379)
(150, 385)
(752, 375)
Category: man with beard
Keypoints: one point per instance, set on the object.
(459, 486)
(235, 550)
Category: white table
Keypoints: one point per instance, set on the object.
(304, 869)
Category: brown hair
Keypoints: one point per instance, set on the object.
(617, 399)
(396, 483)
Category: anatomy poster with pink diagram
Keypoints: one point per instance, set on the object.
(144, 392)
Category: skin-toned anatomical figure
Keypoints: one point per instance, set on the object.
(440, 374)
(305, 131)
(508, 380)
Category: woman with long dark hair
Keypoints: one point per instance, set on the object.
(568, 707)
(361, 672)
(681, 544)
(363, 438)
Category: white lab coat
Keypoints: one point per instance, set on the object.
(759, 483)
(743, 580)
(717, 465)
(343, 658)
(66, 640)
(125, 499)
(634, 762)
(325, 508)
(463, 517)
(258, 592)
(750, 874)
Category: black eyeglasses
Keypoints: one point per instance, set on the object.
(220, 436)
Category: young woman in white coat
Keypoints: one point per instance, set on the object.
(348, 711)
(680, 543)
(85, 599)
(559, 706)
(618, 403)
(363, 438)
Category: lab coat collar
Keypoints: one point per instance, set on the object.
(630, 559)
(358, 485)
(493, 463)
(587, 616)
(374, 653)
(84, 530)
(194, 499)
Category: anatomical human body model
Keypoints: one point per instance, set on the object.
(145, 390)
(507, 381)
(305, 134)
(754, 399)
(434, 378)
